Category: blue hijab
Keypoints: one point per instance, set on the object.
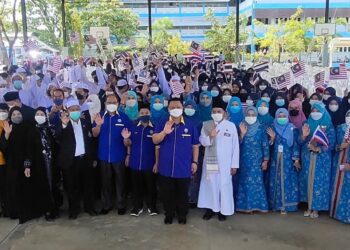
(264, 119)
(195, 118)
(132, 112)
(236, 118)
(204, 113)
(325, 120)
(285, 131)
(252, 129)
(156, 115)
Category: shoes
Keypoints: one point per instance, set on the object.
(221, 217)
(182, 221)
(73, 216)
(168, 220)
(283, 212)
(208, 214)
(314, 215)
(307, 213)
(50, 217)
(152, 211)
(104, 211)
(121, 211)
(136, 212)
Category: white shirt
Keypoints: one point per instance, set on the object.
(79, 138)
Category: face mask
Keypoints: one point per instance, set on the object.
(217, 117)
(294, 112)
(312, 102)
(263, 110)
(250, 102)
(204, 88)
(279, 102)
(325, 97)
(266, 99)
(17, 119)
(189, 111)
(250, 119)
(262, 87)
(154, 89)
(282, 120)
(333, 107)
(226, 98)
(112, 108)
(66, 94)
(131, 103)
(145, 118)
(235, 109)
(214, 93)
(74, 115)
(58, 102)
(316, 115)
(40, 119)
(170, 71)
(3, 116)
(347, 120)
(176, 112)
(79, 96)
(17, 84)
(158, 106)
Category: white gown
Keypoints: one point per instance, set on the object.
(216, 190)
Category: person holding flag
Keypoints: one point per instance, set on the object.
(317, 139)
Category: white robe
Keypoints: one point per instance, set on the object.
(216, 190)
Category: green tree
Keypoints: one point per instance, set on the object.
(176, 46)
(222, 37)
(161, 34)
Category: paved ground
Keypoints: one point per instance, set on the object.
(261, 231)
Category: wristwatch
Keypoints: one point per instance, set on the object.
(195, 162)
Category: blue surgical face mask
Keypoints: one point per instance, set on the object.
(282, 120)
(17, 84)
(280, 102)
(235, 109)
(74, 115)
(189, 111)
(58, 102)
(145, 118)
(158, 106)
(214, 93)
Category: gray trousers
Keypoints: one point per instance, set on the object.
(110, 171)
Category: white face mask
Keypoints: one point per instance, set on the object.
(312, 102)
(263, 110)
(250, 102)
(3, 116)
(325, 97)
(40, 119)
(176, 112)
(154, 89)
(204, 88)
(250, 119)
(347, 120)
(266, 99)
(112, 108)
(131, 103)
(217, 117)
(262, 87)
(316, 115)
(226, 98)
(333, 107)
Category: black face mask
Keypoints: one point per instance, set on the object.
(80, 96)
(48, 92)
(293, 112)
(120, 87)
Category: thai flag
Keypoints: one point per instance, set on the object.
(320, 137)
(264, 66)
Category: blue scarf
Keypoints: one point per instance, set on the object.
(264, 119)
(285, 131)
(204, 113)
(238, 117)
(132, 112)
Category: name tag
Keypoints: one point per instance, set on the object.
(213, 167)
(119, 125)
(227, 134)
(186, 135)
(148, 135)
(280, 148)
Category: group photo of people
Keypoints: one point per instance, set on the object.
(161, 135)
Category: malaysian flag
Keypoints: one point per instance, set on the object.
(283, 81)
(195, 47)
(74, 37)
(87, 60)
(121, 65)
(320, 137)
(60, 79)
(298, 69)
(31, 45)
(143, 77)
(89, 40)
(137, 62)
(176, 86)
(319, 80)
(338, 73)
(55, 65)
(347, 135)
(125, 55)
(262, 67)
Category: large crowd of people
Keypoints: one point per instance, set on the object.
(186, 134)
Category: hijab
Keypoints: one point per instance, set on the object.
(132, 112)
(337, 117)
(298, 120)
(324, 121)
(156, 115)
(195, 118)
(266, 119)
(285, 131)
(204, 113)
(253, 128)
(235, 117)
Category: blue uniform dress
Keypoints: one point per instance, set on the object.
(283, 181)
(340, 191)
(251, 194)
(314, 185)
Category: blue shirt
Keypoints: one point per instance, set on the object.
(142, 154)
(175, 155)
(111, 143)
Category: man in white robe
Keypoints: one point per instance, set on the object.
(221, 161)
